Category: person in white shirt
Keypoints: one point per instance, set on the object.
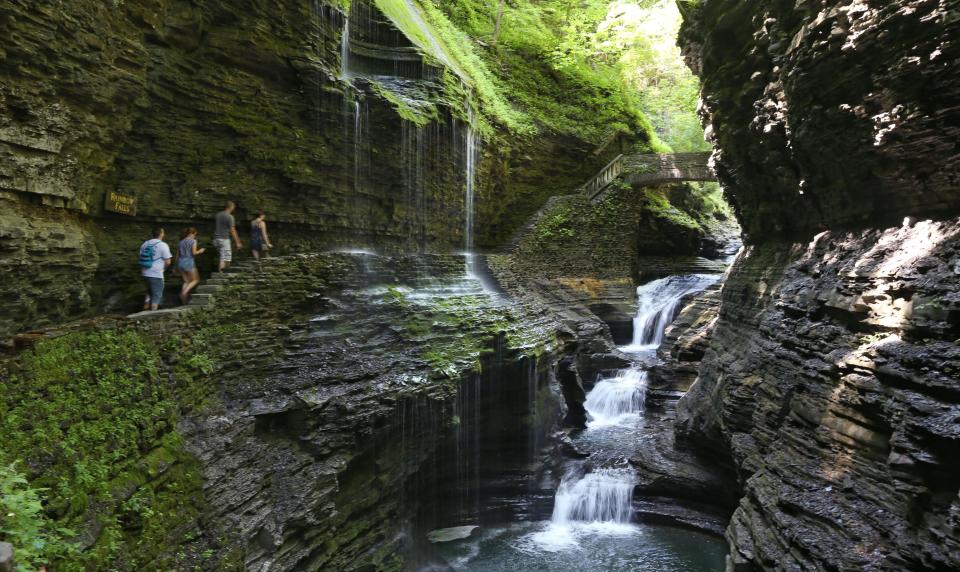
(155, 256)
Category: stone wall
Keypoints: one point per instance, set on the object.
(579, 238)
(831, 377)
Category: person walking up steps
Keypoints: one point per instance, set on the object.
(259, 240)
(186, 263)
(154, 258)
(225, 229)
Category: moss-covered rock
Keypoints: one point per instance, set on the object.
(185, 106)
(283, 422)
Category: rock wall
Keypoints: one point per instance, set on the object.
(831, 372)
(324, 428)
(185, 105)
(829, 113)
(831, 377)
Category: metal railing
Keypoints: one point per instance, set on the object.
(602, 180)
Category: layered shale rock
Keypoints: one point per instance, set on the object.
(183, 106)
(831, 374)
(322, 412)
(832, 378)
(830, 112)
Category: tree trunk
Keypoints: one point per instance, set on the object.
(496, 27)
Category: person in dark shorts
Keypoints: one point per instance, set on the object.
(186, 263)
(154, 258)
(226, 228)
(259, 239)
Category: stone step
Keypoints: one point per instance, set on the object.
(153, 315)
(208, 288)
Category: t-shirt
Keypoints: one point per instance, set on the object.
(186, 248)
(224, 222)
(161, 252)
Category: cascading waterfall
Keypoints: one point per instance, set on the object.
(601, 496)
(600, 500)
(617, 400)
(659, 302)
(604, 495)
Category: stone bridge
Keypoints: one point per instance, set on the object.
(651, 169)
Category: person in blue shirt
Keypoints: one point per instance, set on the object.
(156, 253)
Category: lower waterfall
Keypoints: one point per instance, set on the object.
(593, 526)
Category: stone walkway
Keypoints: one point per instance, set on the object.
(204, 294)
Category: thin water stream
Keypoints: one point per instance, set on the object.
(592, 526)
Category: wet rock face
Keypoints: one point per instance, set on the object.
(349, 405)
(831, 112)
(185, 105)
(831, 377)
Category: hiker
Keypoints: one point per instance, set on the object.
(225, 229)
(154, 258)
(259, 240)
(186, 263)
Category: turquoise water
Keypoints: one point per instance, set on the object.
(586, 547)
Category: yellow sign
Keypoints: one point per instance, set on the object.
(123, 204)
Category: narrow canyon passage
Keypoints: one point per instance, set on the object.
(479, 285)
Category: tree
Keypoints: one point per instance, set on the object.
(496, 27)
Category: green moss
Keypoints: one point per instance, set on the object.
(437, 38)
(659, 205)
(93, 422)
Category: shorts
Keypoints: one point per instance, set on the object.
(223, 249)
(154, 290)
(186, 265)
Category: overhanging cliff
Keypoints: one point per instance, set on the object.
(831, 376)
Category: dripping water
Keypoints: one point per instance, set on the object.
(357, 145)
(345, 47)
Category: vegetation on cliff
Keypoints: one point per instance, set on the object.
(590, 69)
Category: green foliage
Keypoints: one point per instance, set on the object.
(36, 539)
(93, 422)
(430, 29)
(661, 207)
(590, 68)
(558, 224)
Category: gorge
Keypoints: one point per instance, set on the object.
(507, 325)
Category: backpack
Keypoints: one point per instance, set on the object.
(146, 253)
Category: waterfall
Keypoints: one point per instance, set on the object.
(659, 302)
(470, 174)
(357, 145)
(345, 47)
(616, 400)
(472, 147)
(601, 496)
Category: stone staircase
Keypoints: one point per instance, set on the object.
(535, 219)
(204, 294)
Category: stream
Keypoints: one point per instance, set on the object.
(593, 526)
